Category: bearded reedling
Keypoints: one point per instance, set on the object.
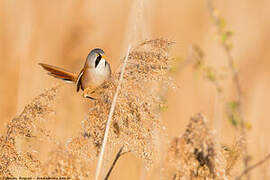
(95, 72)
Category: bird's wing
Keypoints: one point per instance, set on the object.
(78, 81)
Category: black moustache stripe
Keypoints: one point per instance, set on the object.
(97, 60)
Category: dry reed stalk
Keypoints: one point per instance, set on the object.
(108, 124)
(118, 155)
(250, 168)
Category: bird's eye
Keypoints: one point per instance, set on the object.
(97, 60)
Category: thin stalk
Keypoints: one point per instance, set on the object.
(108, 124)
(114, 162)
(236, 82)
(247, 170)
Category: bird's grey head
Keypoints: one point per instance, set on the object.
(95, 58)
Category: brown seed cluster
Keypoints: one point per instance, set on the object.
(233, 154)
(66, 164)
(196, 154)
(25, 126)
(136, 115)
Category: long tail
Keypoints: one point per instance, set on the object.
(59, 72)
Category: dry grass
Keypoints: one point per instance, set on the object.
(61, 33)
(135, 127)
(136, 115)
(135, 124)
(65, 163)
(27, 126)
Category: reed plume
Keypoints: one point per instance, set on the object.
(196, 154)
(26, 126)
(136, 114)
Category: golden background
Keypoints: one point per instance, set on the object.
(63, 32)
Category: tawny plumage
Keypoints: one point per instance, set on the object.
(96, 71)
(59, 72)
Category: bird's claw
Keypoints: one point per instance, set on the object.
(85, 95)
(90, 97)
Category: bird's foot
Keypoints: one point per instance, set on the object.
(85, 95)
(90, 97)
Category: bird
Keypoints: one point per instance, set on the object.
(95, 72)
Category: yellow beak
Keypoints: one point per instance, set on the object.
(104, 57)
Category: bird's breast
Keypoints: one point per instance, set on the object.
(93, 77)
